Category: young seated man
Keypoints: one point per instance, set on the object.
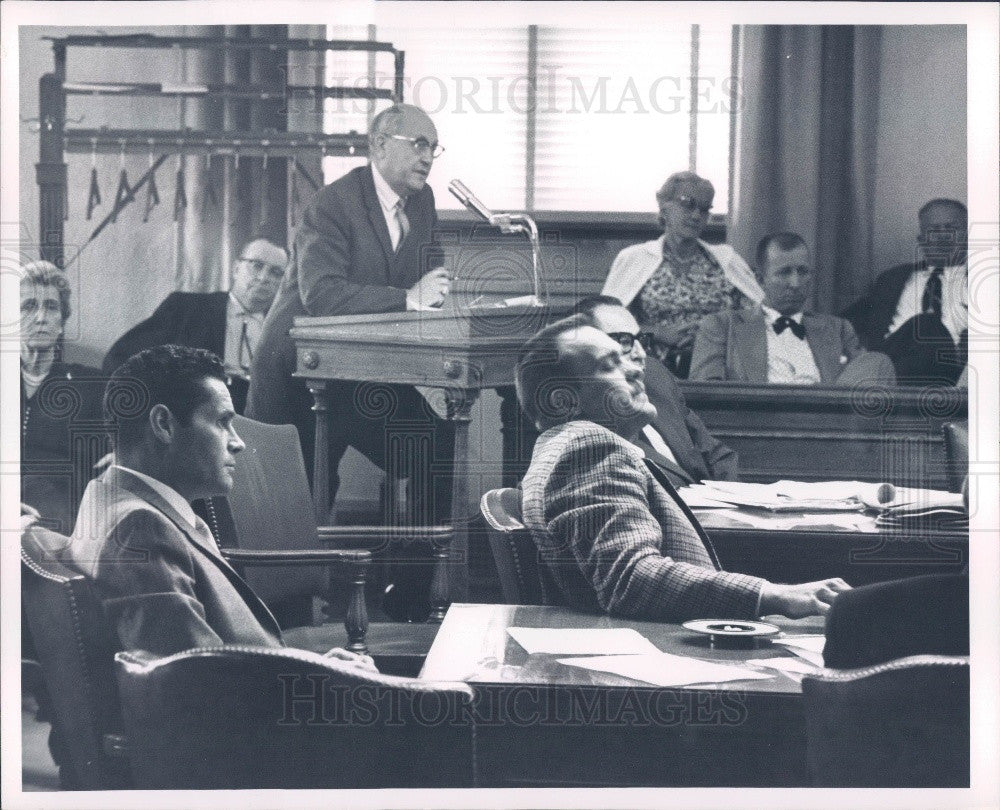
(163, 581)
(781, 340)
(610, 527)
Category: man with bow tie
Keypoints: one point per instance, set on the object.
(918, 314)
(781, 341)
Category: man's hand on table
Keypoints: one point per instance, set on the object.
(430, 291)
(796, 601)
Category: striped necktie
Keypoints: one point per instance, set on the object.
(932, 293)
(404, 224)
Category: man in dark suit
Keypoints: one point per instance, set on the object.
(781, 341)
(164, 584)
(364, 246)
(918, 313)
(226, 324)
(610, 528)
(676, 436)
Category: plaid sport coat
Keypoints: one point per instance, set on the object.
(614, 540)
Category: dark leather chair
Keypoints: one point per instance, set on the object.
(904, 723)
(956, 452)
(270, 507)
(522, 577)
(244, 717)
(75, 649)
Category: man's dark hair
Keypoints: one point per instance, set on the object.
(785, 240)
(162, 375)
(544, 391)
(942, 201)
(586, 306)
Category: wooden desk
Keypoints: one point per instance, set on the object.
(458, 351)
(784, 552)
(819, 433)
(541, 723)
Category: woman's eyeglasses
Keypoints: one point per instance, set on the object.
(690, 204)
(627, 340)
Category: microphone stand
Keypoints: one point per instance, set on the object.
(522, 223)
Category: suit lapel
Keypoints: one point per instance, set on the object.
(750, 343)
(823, 345)
(215, 323)
(375, 215)
(669, 467)
(664, 482)
(116, 477)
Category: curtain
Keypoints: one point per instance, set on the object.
(805, 149)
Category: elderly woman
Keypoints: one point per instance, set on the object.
(58, 401)
(669, 284)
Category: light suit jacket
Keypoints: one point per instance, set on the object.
(164, 587)
(732, 345)
(615, 539)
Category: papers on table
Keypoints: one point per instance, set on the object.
(790, 666)
(579, 641)
(664, 669)
(816, 496)
(809, 648)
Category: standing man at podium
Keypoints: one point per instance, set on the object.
(365, 246)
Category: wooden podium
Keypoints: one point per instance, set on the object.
(460, 351)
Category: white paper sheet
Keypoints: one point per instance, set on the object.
(790, 666)
(664, 669)
(582, 641)
(809, 648)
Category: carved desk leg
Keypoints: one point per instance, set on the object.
(321, 454)
(460, 402)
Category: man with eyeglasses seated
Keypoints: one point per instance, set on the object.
(676, 436)
(365, 245)
(227, 324)
(782, 340)
(610, 527)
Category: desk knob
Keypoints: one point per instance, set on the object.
(452, 369)
(310, 360)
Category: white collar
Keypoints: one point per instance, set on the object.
(771, 315)
(169, 494)
(386, 196)
(237, 310)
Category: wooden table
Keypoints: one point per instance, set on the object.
(542, 723)
(796, 548)
(459, 351)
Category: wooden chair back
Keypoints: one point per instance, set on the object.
(522, 577)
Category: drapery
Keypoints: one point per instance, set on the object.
(805, 148)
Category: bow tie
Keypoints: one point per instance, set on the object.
(784, 322)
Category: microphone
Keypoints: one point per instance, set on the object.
(470, 200)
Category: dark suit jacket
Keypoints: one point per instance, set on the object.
(732, 345)
(913, 616)
(187, 319)
(699, 454)
(873, 312)
(164, 588)
(617, 541)
(342, 264)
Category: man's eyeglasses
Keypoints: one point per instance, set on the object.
(259, 267)
(627, 340)
(421, 145)
(690, 204)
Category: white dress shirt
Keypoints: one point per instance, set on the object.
(789, 359)
(236, 317)
(954, 299)
(657, 443)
